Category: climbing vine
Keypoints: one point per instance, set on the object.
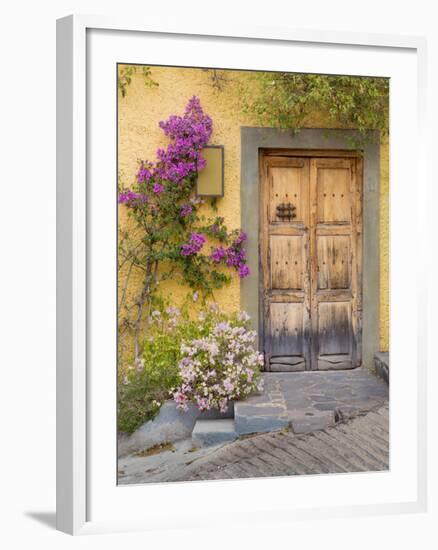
(219, 78)
(126, 72)
(167, 235)
(286, 100)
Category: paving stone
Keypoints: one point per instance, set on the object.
(282, 450)
(377, 448)
(373, 432)
(249, 418)
(380, 420)
(367, 451)
(343, 448)
(308, 403)
(357, 465)
(213, 432)
(232, 472)
(317, 451)
(366, 460)
(339, 462)
(313, 464)
(270, 455)
(261, 467)
(324, 406)
(312, 421)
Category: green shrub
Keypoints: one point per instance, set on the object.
(161, 373)
(143, 387)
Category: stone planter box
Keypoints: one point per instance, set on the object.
(168, 426)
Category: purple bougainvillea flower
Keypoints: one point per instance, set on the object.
(235, 256)
(218, 254)
(243, 271)
(144, 173)
(130, 198)
(197, 240)
(182, 157)
(189, 134)
(195, 245)
(174, 172)
(158, 188)
(186, 209)
(240, 239)
(126, 196)
(187, 250)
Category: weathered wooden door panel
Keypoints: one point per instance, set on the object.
(333, 190)
(287, 336)
(335, 218)
(288, 183)
(311, 262)
(333, 253)
(334, 336)
(286, 262)
(285, 257)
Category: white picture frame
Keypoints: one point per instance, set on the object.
(79, 220)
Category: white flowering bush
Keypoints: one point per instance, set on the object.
(221, 366)
(191, 355)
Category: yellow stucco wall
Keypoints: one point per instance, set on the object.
(139, 137)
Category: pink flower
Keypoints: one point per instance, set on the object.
(202, 403)
(228, 385)
(180, 400)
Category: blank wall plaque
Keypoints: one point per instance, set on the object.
(211, 179)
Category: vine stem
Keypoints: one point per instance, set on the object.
(149, 281)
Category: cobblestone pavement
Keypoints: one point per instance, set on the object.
(358, 445)
(305, 397)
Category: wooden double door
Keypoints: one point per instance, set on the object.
(311, 257)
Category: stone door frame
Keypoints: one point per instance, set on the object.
(255, 139)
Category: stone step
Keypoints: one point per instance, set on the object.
(250, 417)
(207, 433)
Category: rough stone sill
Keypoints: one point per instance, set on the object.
(381, 365)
